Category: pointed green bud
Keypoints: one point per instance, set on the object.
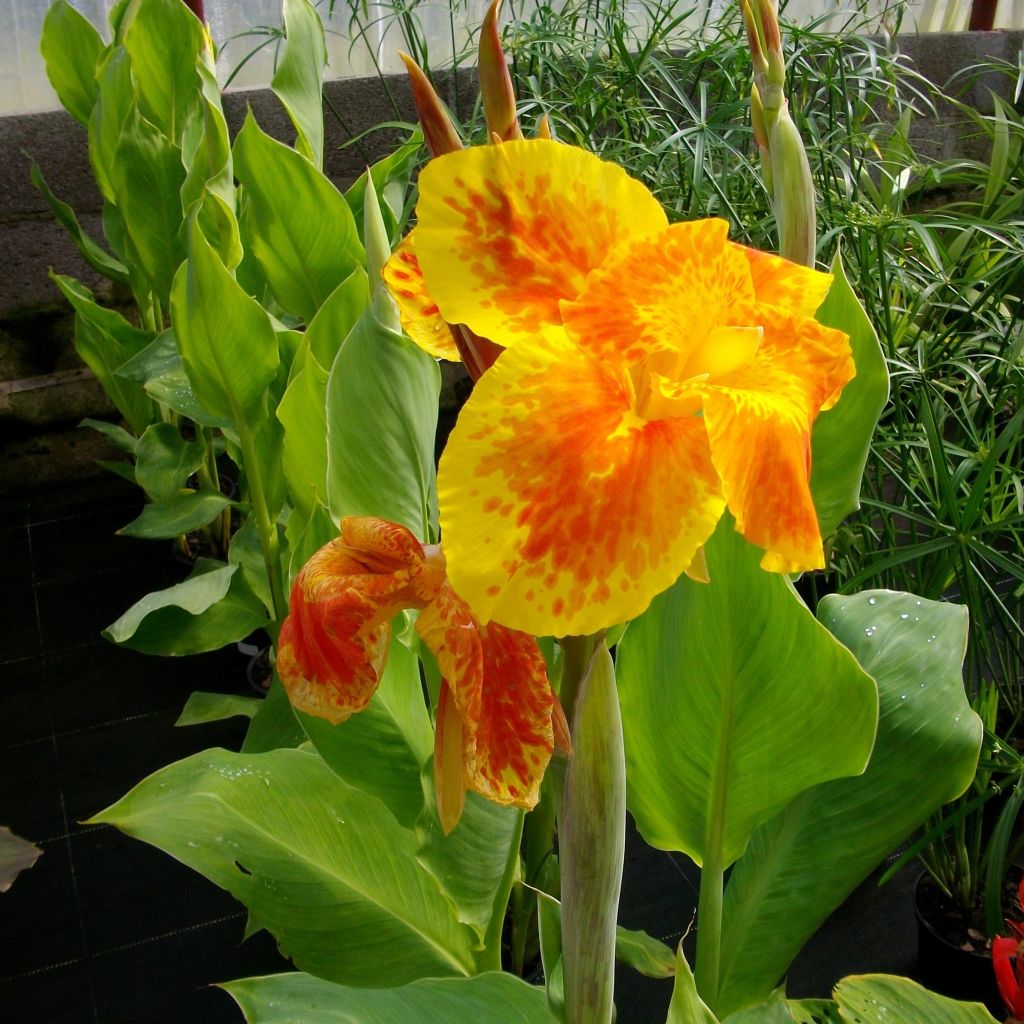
(591, 837)
(793, 192)
(378, 252)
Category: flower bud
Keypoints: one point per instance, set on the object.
(438, 130)
(496, 92)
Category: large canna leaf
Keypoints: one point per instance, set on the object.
(321, 865)
(147, 177)
(213, 607)
(106, 341)
(381, 419)
(225, 337)
(803, 863)
(842, 435)
(299, 78)
(490, 998)
(887, 999)
(164, 39)
(382, 749)
(734, 701)
(94, 254)
(298, 225)
(165, 460)
(71, 49)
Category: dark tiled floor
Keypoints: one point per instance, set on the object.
(104, 929)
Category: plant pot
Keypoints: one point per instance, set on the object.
(944, 964)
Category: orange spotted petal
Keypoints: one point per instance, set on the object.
(662, 295)
(506, 232)
(334, 642)
(563, 511)
(780, 282)
(420, 318)
(759, 420)
(497, 680)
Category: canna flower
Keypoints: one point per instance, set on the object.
(498, 719)
(654, 375)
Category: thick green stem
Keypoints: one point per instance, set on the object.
(489, 958)
(709, 929)
(265, 527)
(592, 830)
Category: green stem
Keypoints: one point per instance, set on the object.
(489, 958)
(709, 928)
(265, 527)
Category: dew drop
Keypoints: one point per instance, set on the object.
(905, 616)
(194, 845)
(872, 600)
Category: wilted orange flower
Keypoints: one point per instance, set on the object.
(655, 375)
(498, 719)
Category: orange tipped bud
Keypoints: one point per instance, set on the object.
(496, 90)
(544, 128)
(438, 130)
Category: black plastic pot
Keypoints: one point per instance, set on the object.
(947, 968)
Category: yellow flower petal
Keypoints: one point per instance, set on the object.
(563, 511)
(759, 420)
(420, 318)
(506, 232)
(659, 297)
(781, 282)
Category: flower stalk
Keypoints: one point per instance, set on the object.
(591, 834)
(784, 166)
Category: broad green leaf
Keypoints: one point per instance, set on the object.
(275, 724)
(165, 461)
(470, 862)
(381, 749)
(179, 515)
(164, 38)
(842, 435)
(298, 80)
(734, 701)
(225, 337)
(202, 707)
(687, 1007)
(265, 459)
(98, 258)
(296, 222)
(213, 607)
(775, 1011)
(246, 553)
(114, 102)
(147, 179)
(324, 867)
(803, 863)
(486, 999)
(306, 534)
(381, 418)
(814, 1011)
(117, 435)
(206, 145)
(71, 48)
(886, 999)
(644, 953)
(105, 340)
(303, 414)
(337, 316)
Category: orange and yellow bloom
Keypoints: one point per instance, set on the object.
(498, 719)
(654, 376)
